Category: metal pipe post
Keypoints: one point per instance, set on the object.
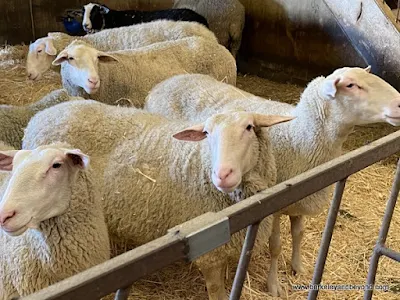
(123, 293)
(326, 239)
(383, 232)
(244, 261)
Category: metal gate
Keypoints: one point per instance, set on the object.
(186, 241)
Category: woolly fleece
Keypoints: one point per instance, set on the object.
(62, 246)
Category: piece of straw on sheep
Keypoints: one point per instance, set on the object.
(223, 159)
(328, 110)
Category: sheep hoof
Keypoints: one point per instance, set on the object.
(275, 289)
(298, 269)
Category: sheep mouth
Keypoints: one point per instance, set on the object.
(16, 232)
(91, 90)
(227, 188)
(394, 118)
(91, 31)
(20, 230)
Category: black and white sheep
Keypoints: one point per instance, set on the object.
(97, 17)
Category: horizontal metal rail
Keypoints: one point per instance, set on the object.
(121, 271)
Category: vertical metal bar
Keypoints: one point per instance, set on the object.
(326, 238)
(32, 20)
(123, 293)
(244, 261)
(383, 232)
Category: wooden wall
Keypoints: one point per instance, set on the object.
(298, 39)
(283, 39)
(46, 10)
(16, 23)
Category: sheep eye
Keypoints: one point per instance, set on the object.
(206, 132)
(70, 58)
(350, 85)
(56, 165)
(39, 51)
(249, 127)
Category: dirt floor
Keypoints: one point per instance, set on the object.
(355, 232)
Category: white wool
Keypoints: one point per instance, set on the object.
(13, 119)
(61, 246)
(315, 136)
(126, 143)
(131, 74)
(128, 37)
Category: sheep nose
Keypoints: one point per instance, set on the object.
(5, 216)
(223, 172)
(93, 81)
(86, 26)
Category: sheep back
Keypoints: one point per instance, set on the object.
(137, 71)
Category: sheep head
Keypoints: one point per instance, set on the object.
(39, 185)
(233, 141)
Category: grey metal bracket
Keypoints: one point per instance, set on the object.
(203, 234)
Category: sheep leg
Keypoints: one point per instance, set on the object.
(275, 249)
(214, 275)
(297, 230)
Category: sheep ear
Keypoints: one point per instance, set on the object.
(329, 88)
(193, 134)
(368, 69)
(62, 56)
(50, 49)
(261, 120)
(104, 9)
(77, 157)
(106, 58)
(6, 159)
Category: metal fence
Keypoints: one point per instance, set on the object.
(211, 230)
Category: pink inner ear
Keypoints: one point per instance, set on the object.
(6, 162)
(76, 160)
(190, 135)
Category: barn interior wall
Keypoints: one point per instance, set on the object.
(282, 38)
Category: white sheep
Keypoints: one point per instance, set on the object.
(130, 74)
(13, 119)
(154, 181)
(226, 18)
(51, 217)
(44, 50)
(328, 110)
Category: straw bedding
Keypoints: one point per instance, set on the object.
(355, 232)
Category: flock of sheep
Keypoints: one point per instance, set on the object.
(79, 169)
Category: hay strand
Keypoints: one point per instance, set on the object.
(353, 239)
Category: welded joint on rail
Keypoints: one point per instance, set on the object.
(382, 250)
(203, 234)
